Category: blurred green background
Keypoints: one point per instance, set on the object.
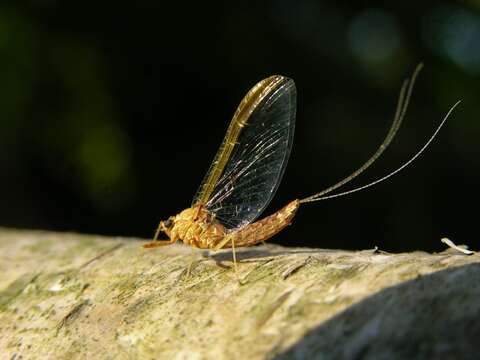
(111, 114)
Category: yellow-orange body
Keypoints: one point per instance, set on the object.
(246, 172)
(195, 226)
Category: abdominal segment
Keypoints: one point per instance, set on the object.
(263, 229)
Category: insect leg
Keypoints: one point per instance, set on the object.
(190, 266)
(157, 243)
(157, 232)
(221, 244)
(234, 257)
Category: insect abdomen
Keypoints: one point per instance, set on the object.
(267, 227)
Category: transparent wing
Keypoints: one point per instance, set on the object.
(246, 179)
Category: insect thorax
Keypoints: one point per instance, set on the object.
(197, 227)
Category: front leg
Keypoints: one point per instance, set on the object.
(157, 243)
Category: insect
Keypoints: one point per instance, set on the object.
(248, 167)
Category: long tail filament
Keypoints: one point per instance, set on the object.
(403, 101)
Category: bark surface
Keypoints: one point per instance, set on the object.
(71, 296)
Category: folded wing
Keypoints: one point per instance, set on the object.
(251, 161)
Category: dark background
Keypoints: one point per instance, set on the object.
(111, 114)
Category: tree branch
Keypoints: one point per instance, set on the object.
(76, 296)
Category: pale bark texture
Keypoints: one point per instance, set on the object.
(71, 296)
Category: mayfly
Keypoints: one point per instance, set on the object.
(248, 167)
